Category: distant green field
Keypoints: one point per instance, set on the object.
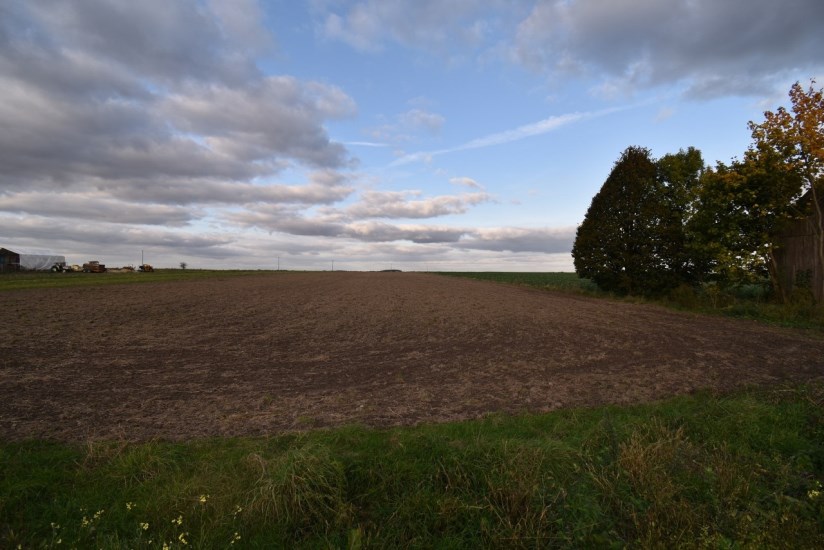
(47, 279)
(558, 281)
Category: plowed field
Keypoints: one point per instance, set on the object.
(266, 353)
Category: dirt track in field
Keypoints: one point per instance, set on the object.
(266, 353)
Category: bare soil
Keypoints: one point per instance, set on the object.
(269, 353)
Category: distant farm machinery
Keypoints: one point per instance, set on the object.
(94, 266)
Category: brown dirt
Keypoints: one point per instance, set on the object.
(263, 354)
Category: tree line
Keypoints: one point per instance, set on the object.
(657, 224)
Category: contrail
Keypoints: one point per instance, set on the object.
(521, 132)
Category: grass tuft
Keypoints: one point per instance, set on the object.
(301, 489)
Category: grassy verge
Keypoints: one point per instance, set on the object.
(700, 471)
(46, 279)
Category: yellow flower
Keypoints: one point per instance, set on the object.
(144, 526)
(129, 505)
(204, 498)
(182, 538)
(178, 521)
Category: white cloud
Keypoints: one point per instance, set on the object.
(466, 182)
(664, 113)
(419, 118)
(406, 126)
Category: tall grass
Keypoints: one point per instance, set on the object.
(701, 471)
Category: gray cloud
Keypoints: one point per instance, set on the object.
(275, 117)
(89, 207)
(514, 239)
(712, 48)
(282, 219)
(279, 219)
(164, 41)
(157, 103)
(105, 235)
(715, 48)
(374, 231)
(400, 204)
(428, 24)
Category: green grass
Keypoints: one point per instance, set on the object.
(47, 279)
(735, 471)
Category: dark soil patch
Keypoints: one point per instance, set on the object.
(262, 354)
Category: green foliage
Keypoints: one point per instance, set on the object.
(742, 210)
(797, 139)
(680, 175)
(651, 235)
(745, 207)
(631, 240)
(742, 470)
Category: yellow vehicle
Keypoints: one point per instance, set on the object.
(94, 266)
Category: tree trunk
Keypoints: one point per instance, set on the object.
(775, 276)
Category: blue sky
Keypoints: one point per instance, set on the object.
(420, 135)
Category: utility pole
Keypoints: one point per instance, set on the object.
(333, 265)
(278, 263)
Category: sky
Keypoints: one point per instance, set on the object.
(436, 135)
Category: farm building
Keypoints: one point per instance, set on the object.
(26, 261)
(798, 265)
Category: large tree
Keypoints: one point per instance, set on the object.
(619, 243)
(680, 175)
(741, 210)
(797, 138)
